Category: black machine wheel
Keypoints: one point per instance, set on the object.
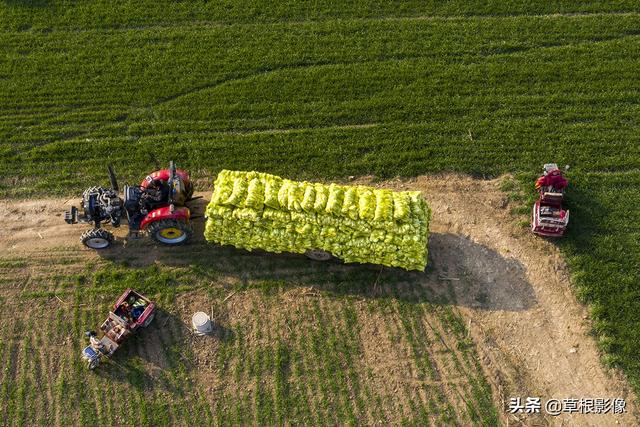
(93, 363)
(170, 231)
(97, 238)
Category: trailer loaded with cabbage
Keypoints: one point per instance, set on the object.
(354, 223)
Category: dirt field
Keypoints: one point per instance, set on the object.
(512, 289)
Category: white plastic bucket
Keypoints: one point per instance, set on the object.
(201, 323)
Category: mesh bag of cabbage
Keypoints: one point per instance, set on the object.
(355, 223)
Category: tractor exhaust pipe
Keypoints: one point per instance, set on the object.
(172, 180)
(112, 179)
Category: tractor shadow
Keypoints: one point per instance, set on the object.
(586, 219)
(198, 208)
(459, 272)
(145, 361)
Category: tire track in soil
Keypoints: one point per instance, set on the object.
(41, 407)
(434, 350)
(25, 382)
(452, 356)
(12, 367)
(358, 387)
(305, 388)
(45, 357)
(175, 337)
(343, 398)
(312, 387)
(336, 315)
(167, 381)
(428, 347)
(413, 371)
(406, 363)
(397, 332)
(444, 378)
(443, 358)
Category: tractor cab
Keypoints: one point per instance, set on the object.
(168, 186)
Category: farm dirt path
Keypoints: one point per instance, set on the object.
(512, 288)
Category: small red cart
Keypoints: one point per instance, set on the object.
(130, 312)
(549, 218)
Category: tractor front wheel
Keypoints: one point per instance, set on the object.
(98, 238)
(170, 231)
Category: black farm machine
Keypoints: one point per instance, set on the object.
(156, 207)
(549, 217)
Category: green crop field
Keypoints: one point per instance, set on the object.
(305, 90)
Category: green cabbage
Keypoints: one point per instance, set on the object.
(357, 224)
(366, 204)
(255, 194)
(334, 202)
(272, 186)
(401, 206)
(239, 192)
(322, 195)
(350, 204)
(309, 197)
(384, 205)
(294, 196)
(283, 194)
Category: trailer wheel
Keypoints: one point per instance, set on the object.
(170, 231)
(98, 238)
(318, 255)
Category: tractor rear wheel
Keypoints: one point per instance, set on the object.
(170, 231)
(98, 238)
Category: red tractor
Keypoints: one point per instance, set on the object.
(132, 311)
(157, 206)
(549, 216)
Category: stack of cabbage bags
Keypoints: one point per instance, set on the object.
(355, 223)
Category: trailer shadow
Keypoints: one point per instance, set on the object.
(460, 272)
